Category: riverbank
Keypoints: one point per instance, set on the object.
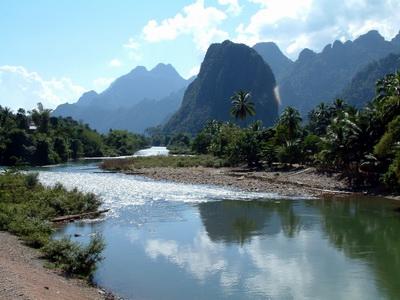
(27, 209)
(23, 275)
(292, 183)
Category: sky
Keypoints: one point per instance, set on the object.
(53, 51)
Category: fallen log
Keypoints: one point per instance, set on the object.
(88, 215)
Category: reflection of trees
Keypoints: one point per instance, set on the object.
(238, 221)
(368, 230)
(243, 228)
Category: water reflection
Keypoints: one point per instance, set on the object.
(171, 241)
(281, 251)
(237, 221)
(369, 231)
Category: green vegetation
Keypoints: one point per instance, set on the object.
(363, 145)
(74, 258)
(242, 106)
(163, 162)
(36, 138)
(26, 208)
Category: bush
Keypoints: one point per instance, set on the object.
(31, 180)
(392, 176)
(26, 208)
(75, 258)
(33, 230)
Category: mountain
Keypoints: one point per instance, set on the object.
(134, 101)
(148, 113)
(139, 84)
(273, 56)
(362, 88)
(319, 77)
(226, 69)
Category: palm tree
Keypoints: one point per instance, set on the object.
(242, 105)
(290, 120)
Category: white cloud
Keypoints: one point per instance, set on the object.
(134, 49)
(195, 20)
(194, 71)
(20, 88)
(233, 6)
(294, 25)
(132, 44)
(115, 63)
(102, 83)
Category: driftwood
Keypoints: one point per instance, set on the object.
(79, 217)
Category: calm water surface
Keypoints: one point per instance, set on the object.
(176, 241)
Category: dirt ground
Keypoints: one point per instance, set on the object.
(23, 276)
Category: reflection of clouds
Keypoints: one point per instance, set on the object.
(306, 267)
(201, 259)
(279, 273)
(275, 267)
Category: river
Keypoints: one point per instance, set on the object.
(178, 241)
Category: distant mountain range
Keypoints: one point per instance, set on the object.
(320, 77)
(226, 69)
(146, 98)
(362, 87)
(135, 101)
(279, 63)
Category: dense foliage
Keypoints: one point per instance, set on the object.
(37, 138)
(361, 144)
(26, 208)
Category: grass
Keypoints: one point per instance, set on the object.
(26, 208)
(163, 162)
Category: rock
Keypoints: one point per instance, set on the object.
(226, 69)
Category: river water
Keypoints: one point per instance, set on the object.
(178, 241)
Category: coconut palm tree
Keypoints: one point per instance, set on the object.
(242, 106)
(290, 120)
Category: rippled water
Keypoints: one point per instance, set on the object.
(177, 241)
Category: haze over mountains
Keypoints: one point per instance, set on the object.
(146, 98)
(135, 101)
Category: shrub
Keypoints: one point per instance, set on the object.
(75, 258)
(31, 180)
(392, 176)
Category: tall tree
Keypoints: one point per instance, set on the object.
(290, 120)
(242, 106)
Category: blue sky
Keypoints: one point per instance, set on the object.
(52, 51)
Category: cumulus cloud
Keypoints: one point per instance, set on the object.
(196, 20)
(233, 6)
(115, 63)
(100, 84)
(315, 23)
(194, 71)
(20, 88)
(133, 48)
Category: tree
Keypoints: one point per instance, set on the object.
(290, 121)
(319, 119)
(242, 105)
